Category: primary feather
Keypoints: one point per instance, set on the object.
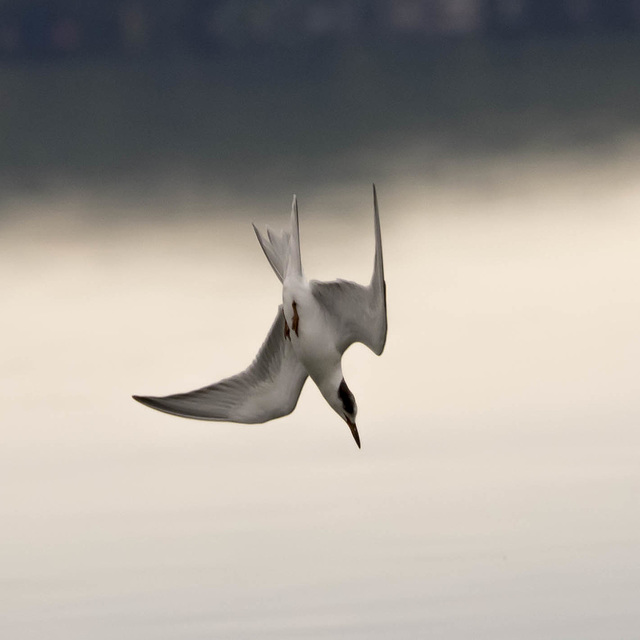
(267, 389)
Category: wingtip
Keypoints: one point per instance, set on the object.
(147, 401)
(377, 279)
(159, 404)
(376, 215)
(294, 264)
(294, 211)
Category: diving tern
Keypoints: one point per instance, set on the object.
(314, 325)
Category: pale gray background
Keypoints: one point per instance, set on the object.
(496, 493)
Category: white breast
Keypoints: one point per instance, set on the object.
(315, 344)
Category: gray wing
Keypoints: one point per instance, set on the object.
(358, 313)
(267, 389)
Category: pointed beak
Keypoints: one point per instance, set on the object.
(354, 432)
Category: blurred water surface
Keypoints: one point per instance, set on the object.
(496, 492)
(266, 124)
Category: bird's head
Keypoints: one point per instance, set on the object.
(339, 396)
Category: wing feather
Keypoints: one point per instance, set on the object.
(358, 313)
(269, 388)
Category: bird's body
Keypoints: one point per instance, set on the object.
(314, 343)
(315, 324)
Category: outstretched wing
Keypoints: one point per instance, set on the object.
(267, 389)
(358, 313)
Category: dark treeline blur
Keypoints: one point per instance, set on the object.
(58, 28)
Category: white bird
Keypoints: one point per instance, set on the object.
(315, 324)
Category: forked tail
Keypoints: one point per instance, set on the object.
(283, 249)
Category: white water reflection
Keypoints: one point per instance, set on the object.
(496, 492)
